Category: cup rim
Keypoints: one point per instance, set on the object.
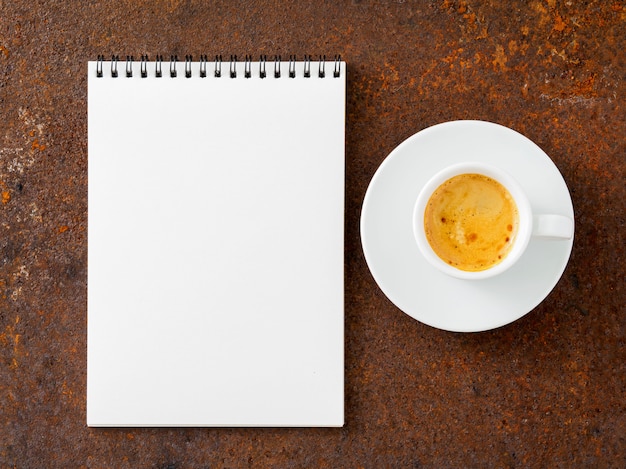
(523, 206)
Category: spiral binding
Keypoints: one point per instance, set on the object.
(218, 66)
(144, 66)
(232, 66)
(173, 60)
(262, 64)
(129, 66)
(247, 68)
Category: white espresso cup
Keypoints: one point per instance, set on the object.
(547, 226)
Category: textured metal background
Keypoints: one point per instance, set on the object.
(545, 391)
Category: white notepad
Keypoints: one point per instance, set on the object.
(216, 208)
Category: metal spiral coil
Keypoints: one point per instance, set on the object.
(292, 69)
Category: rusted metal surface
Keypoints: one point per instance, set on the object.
(545, 391)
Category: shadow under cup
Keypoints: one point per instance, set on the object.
(519, 241)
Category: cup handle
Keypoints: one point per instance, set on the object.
(553, 227)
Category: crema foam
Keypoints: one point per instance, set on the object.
(471, 221)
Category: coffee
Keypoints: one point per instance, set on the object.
(471, 221)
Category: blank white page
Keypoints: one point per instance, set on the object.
(215, 278)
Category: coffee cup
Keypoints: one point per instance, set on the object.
(474, 221)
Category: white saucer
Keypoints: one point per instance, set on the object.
(411, 283)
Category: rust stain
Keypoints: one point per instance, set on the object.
(389, 77)
(66, 391)
(6, 197)
(453, 56)
(543, 12)
(38, 146)
(586, 87)
(4, 51)
(11, 336)
(559, 23)
(500, 58)
(473, 24)
(63, 228)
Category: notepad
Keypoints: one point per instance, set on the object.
(215, 249)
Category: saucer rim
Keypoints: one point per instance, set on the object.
(539, 296)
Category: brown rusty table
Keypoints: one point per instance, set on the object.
(545, 391)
